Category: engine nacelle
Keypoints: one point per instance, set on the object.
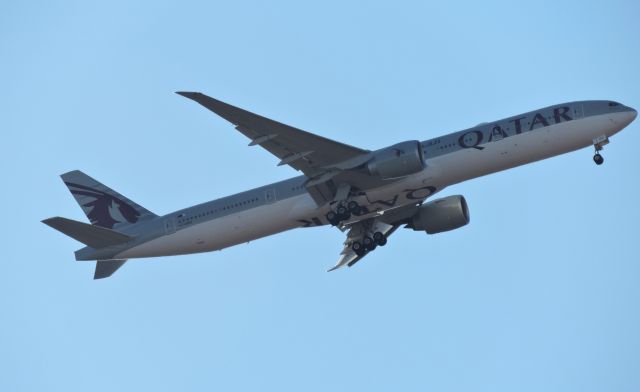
(399, 160)
(440, 215)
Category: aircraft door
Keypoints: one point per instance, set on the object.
(578, 112)
(270, 195)
(169, 225)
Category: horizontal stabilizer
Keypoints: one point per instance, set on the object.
(94, 236)
(106, 268)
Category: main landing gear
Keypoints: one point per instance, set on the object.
(599, 143)
(343, 212)
(369, 243)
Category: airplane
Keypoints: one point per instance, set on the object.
(366, 194)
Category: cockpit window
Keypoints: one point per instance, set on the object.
(614, 104)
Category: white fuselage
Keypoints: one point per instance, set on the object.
(440, 172)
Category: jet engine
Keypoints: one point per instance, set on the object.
(440, 215)
(399, 160)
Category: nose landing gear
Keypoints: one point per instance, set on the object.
(599, 144)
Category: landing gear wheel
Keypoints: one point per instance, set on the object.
(379, 238)
(353, 207)
(332, 217)
(368, 243)
(598, 159)
(343, 213)
(358, 248)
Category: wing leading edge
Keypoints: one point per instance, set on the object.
(304, 151)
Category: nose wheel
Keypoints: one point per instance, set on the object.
(598, 159)
(599, 143)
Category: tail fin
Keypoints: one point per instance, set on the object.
(103, 206)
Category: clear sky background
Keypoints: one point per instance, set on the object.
(540, 292)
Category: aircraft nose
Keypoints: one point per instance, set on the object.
(626, 116)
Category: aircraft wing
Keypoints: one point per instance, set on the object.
(304, 151)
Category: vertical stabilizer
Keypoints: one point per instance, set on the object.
(103, 206)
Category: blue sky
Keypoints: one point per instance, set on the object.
(539, 292)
